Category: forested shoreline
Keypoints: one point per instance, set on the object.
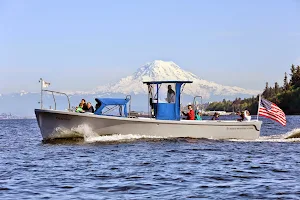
(287, 96)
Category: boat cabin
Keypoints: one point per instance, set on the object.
(164, 98)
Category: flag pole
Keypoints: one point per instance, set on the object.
(259, 98)
(41, 80)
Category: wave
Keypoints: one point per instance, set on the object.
(291, 136)
(295, 133)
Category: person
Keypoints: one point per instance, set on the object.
(84, 104)
(191, 114)
(79, 108)
(198, 115)
(215, 116)
(89, 108)
(97, 105)
(170, 95)
(241, 114)
(247, 115)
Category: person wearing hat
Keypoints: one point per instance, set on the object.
(198, 115)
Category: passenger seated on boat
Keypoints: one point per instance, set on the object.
(89, 108)
(242, 115)
(247, 115)
(84, 104)
(97, 106)
(170, 95)
(79, 108)
(215, 116)
(191, 114)
(198, 115)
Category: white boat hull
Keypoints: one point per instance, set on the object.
(61, 124)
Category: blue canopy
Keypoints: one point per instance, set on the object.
(160, 82)
(111, 102)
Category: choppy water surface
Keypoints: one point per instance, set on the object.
(137, 167)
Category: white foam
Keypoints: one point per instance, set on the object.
(85, 130)
(291, 136)
(295, 133)
(119, 137)
(61, 132)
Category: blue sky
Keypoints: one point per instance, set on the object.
(79, 45)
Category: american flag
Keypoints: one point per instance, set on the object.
(272, 111)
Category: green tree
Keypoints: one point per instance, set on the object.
(276, 88)
(297, 77)
(286, 85)
(293, 72)
(271, 92)
(266, 92)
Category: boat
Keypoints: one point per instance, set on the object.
(164, 118)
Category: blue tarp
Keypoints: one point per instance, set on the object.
(111, 102)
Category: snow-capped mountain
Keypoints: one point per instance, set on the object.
(159, 70)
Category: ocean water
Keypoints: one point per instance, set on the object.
(142, 167)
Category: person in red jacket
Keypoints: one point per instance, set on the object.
(191, 114)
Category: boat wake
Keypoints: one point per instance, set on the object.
(295, 133)
(291, 136)
(118, 137)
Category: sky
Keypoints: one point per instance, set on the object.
(79, 45)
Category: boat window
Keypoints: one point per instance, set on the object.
(153, 92)
(167, 93)
(162, 93)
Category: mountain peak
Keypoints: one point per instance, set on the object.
(159, 70)
(161, 64)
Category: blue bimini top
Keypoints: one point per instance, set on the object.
(160, 82)
(111, 102)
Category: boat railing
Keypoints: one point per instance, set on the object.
(195, 102)
(56, 92)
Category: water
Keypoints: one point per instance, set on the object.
(141, 167)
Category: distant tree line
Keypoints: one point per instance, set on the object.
(237, 105)
(287, 97)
